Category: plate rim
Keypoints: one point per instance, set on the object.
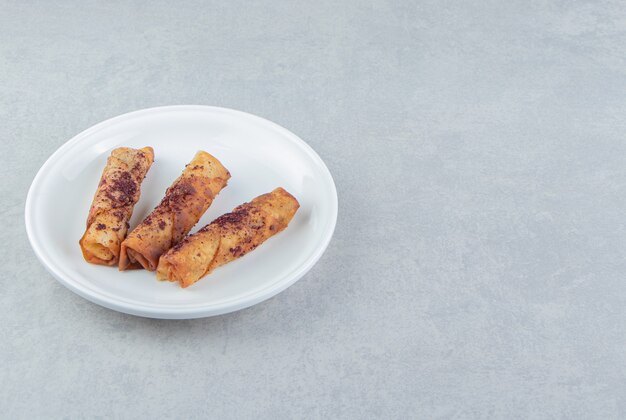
(198, 311)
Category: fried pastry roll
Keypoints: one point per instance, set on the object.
(112, 205)
(184, 203)
(228, 237)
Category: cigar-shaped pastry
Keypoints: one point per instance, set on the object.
(184, 203)
(228, 237)
(112, 205)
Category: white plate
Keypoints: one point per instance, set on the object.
(260, 156)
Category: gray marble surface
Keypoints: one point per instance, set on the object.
(478, 266)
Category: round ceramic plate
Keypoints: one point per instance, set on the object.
(260, 156)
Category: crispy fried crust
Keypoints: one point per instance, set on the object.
(112, 206)
(228, 237)
(184, 203)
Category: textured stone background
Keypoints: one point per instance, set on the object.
(479, 260)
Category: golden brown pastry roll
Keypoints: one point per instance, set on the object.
(113, 203)
(184, 203)
(228, 237)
